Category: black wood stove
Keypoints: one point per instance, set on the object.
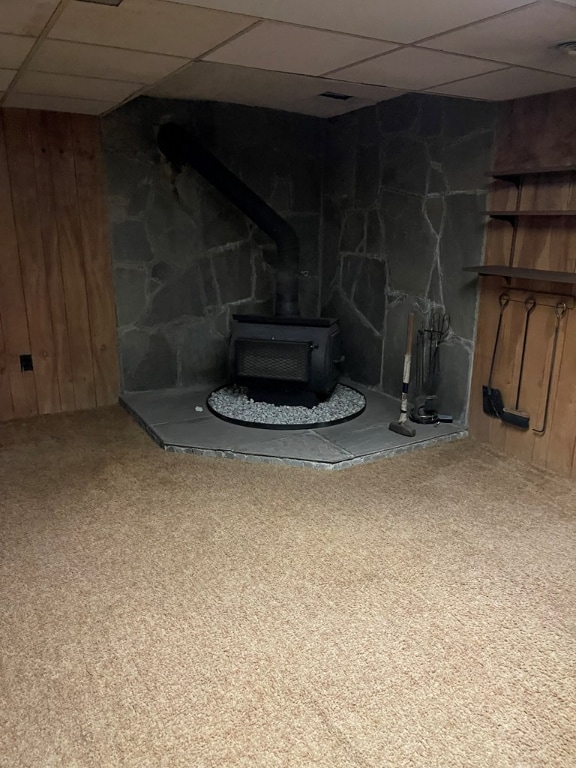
(286, 360)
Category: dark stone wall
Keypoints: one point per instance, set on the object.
(183, 265)
(404, 185)
(386, 202)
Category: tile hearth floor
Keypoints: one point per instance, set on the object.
(171, 419)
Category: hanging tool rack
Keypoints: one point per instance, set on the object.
(536, 202)
(492, 400)
(543, 298)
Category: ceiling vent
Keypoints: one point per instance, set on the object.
(335, 96)
(102, 2)
(568, 47)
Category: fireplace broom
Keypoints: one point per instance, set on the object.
(401, 426)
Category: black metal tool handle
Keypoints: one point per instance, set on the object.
(504, 300)
(530, 305)
(406, 373)
(560, 310)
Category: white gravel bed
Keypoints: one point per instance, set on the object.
(232, 403)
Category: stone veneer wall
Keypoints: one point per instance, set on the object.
(183, 266)
(387, 204)
(404, 187)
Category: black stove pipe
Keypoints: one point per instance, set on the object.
(180, 149)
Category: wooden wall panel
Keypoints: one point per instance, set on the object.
(6, 405)
(69, 235)
(12, 305)
(56, 289)
(539, 132)
(91, 186)
(30, 248)
(563, 419)
(40, 129)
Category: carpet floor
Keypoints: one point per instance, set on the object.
(166, 610)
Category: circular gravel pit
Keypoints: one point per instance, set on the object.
(232, 404)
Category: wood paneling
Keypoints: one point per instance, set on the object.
(22, 178)
(6, 406)
(62, 165)
(537, 132)
(534, 133)
(39, 122)
(56, 290)
(91, 186)
(12, 305)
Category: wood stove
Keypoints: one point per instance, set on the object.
(286, 360)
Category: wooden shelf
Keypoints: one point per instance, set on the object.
(513, 173)
(509, 273)
(524, 274)
(534, 213)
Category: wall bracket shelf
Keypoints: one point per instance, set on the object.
(512, 215)
(515, 175)
(523, 274)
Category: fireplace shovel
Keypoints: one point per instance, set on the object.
(515, 416)
(492, 403)
(401, 426)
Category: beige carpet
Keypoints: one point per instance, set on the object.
(165, 610)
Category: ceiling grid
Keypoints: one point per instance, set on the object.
(84, 56)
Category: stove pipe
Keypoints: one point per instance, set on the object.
(181, 149)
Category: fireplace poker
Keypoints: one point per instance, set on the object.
(559, 310)
(401, 426)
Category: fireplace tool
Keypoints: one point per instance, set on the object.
(428, 369)
(401, 426)
(559, 311)
(515, 416)
(492, 402)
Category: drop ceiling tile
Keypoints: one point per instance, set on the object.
(6, 77)
(57, 104)
(239, 85)
(402, 21)
(287, 48)
(14, 49)
(99, 61)
(322, 107)
(25, 17)
(148, 25)
(524, 37)
(414, 69)
(512, 83)
(69, 86)
(372, 92)
(262, 88)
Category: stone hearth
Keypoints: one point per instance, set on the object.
(178, 420)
